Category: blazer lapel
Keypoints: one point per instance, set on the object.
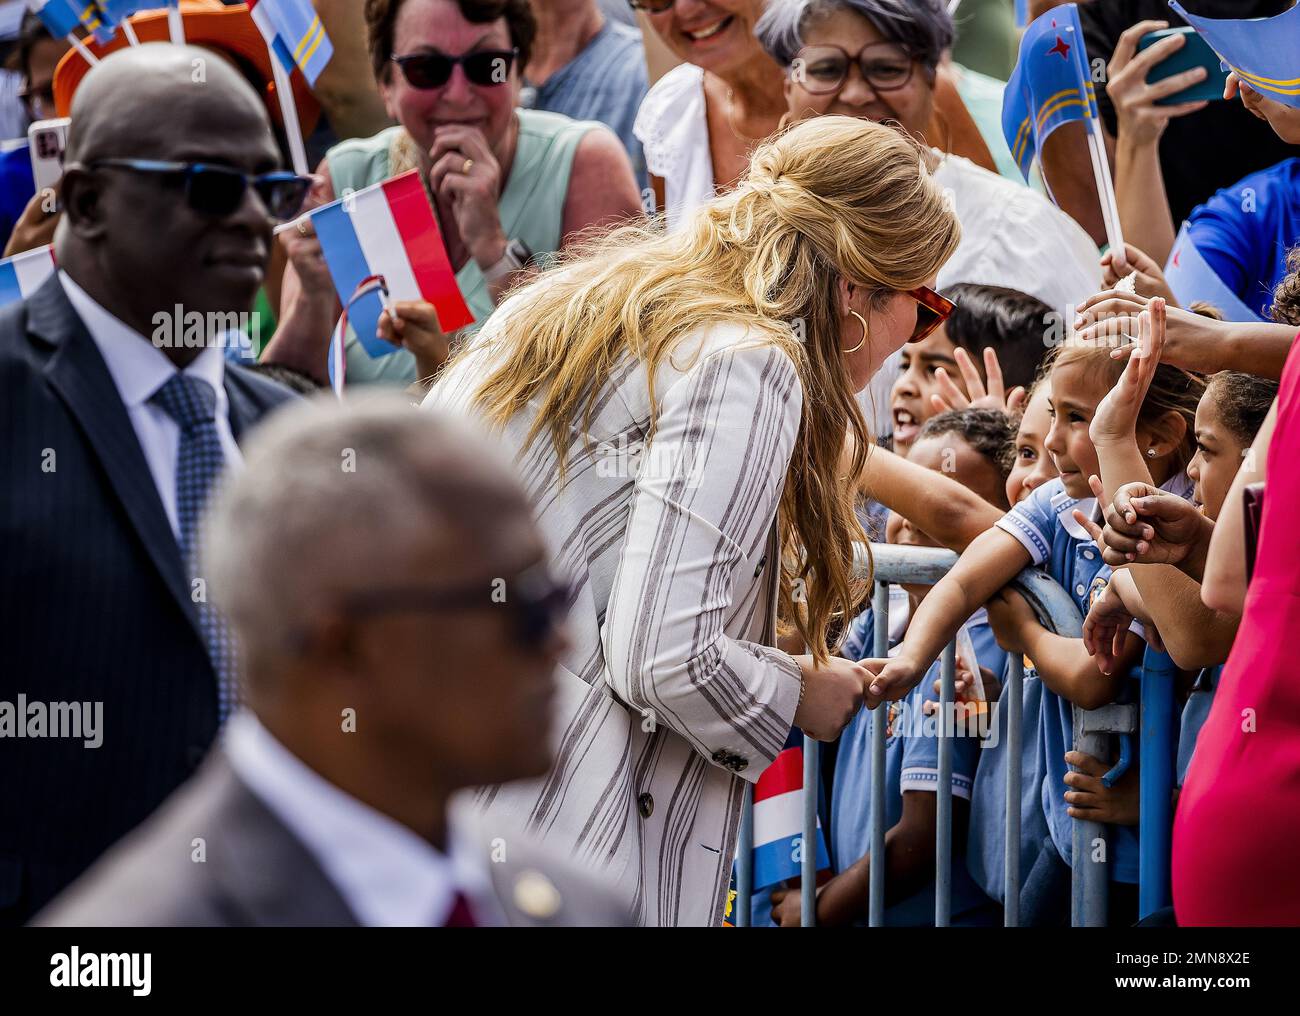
(244, 412)
(79, 375)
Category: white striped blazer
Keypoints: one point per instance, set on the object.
(668, 700)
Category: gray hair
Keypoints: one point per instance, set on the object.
(922, 27)
(332, 500)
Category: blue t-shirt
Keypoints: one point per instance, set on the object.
(1044, 526)
(1244, 232)
(1195, 710)
(605, 82)
(911, 763)
(987, 838)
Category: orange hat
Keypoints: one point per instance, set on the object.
(208, 23)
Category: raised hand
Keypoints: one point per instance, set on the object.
(1150, 280)
(994, 396)
(1146, 525)
(1115, 420)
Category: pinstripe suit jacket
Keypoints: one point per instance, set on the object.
(94, 603)
(668, 700)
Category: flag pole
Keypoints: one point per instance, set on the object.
(289, 109)
(129, 32)
(81, 48)
(1105, 188)
(175, 23)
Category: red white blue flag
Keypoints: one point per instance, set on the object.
(22, 274)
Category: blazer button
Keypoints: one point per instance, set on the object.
(645, 804)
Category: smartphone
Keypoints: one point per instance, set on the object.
(1196, 52)
(47, 140)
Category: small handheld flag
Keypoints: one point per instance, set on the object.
(1261, 50)
(388, 231)
(22, 274)
(1190, 277)
(293, 30)
(778, 819)
(61, 18)
(1051, 86)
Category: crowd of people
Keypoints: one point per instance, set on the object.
(502, 632)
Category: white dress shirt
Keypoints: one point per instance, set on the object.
(387, 874)
(139, 369)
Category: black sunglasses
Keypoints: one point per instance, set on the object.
(485, 67)
(218, 191)
(538, 604)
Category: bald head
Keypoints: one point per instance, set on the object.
(338, 500)
(135, 98)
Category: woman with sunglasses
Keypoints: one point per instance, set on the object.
(678, 404)
(509, 186)
(878, 60)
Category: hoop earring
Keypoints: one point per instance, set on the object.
(863, 323)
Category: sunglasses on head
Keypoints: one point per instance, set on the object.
(932, 310)
(536, 602)
(218, 191)
(485, 67)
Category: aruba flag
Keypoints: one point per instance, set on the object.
(778, 819)
(388, 232)
(1191, 277)
(293, 29)
(1050, 85)
(1263, 51)
(22, 274)
(60, 17)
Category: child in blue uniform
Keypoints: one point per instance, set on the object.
(973, 447)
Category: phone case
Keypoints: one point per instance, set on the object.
(1196, 52)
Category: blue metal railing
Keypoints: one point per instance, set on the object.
(1056, 610)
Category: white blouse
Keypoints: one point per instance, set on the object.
(674, 132)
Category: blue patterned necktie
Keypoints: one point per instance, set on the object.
(192, 403)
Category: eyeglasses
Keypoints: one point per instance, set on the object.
(651, 6)
(823, 69)
(218, 191)
(932, 311)
(538, 604)
(485, 67)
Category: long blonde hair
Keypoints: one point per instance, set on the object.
(829, 198)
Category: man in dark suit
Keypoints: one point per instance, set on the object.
(113, 433)
(399, 637)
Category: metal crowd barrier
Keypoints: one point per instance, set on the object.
(1057, 612)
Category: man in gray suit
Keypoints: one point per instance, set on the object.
(398, 634)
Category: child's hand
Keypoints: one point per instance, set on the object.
(1105, 629)
(787, 910)
(1010, 617)
(413, 325)
(893, 678)
(1090, 801)
(962, 690)
(1146, 525)
(1115, 420)
(994, 397)
(1150, 277)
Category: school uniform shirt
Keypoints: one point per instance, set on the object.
(911, 763)
(1245, 231)
(1195, 711)
(1044, 526)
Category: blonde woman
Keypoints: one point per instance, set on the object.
(678, 405)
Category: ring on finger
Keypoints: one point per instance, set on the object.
(302, 228)
(469, 164)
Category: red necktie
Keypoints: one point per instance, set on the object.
(461, 916)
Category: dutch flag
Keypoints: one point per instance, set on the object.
(22, 274)
(778, 818)
(387, 232)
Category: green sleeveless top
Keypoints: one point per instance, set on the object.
(531, 208)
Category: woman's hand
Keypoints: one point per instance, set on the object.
(1010, 617)
(832, 696)
(1284, 120)
(303, 248)
(994, 396)
(1139, 120)
(413, 325)
(1092, 801)
(35, 227)
(467, 176)
(1150, 280)
(1115, 421)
